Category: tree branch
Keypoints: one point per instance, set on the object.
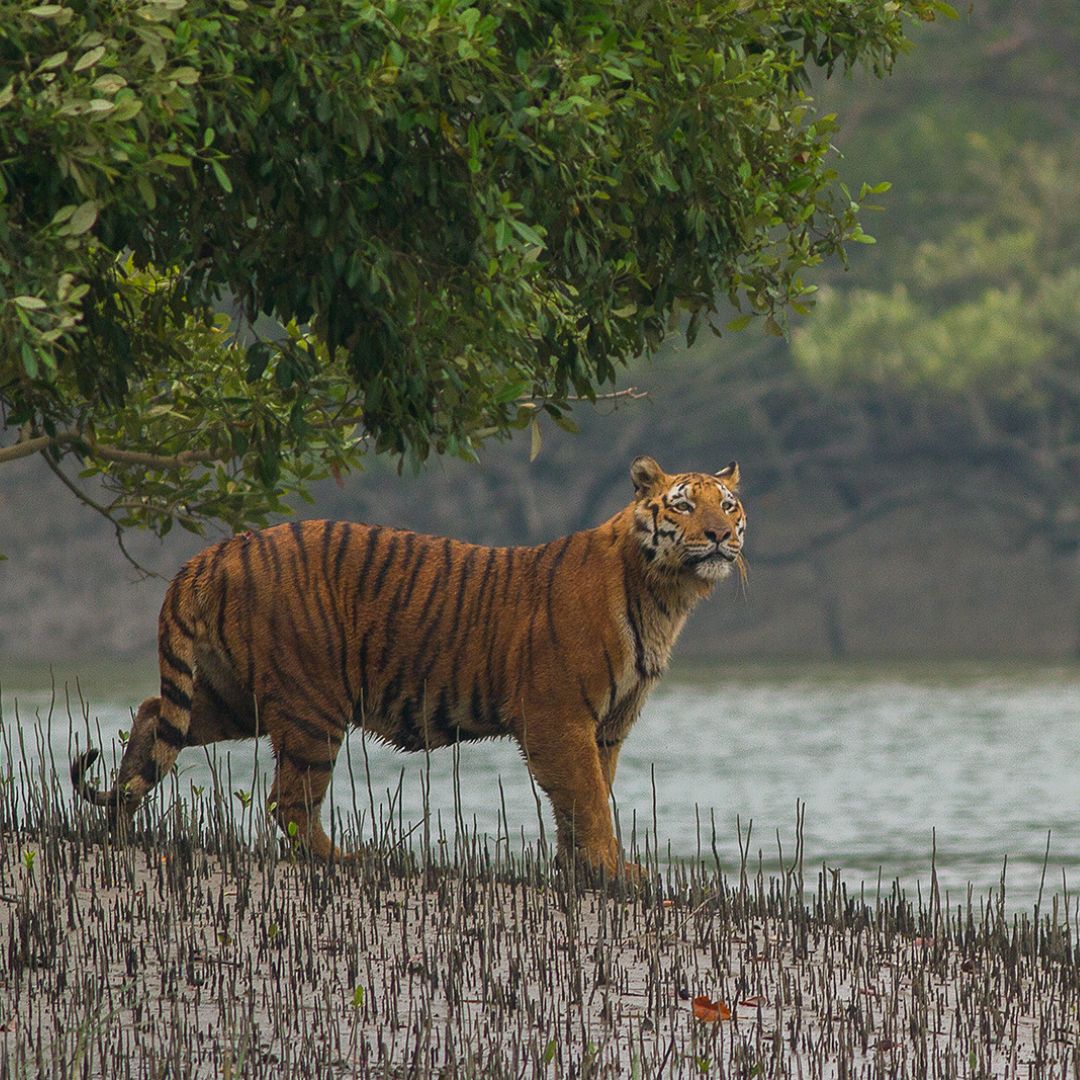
(631, 393)
(35, 444)
(156, 461)
(24, 448)
(86, 500)
(27, 445)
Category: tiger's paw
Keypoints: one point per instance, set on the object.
(607, 873)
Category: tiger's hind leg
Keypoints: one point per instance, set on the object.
(138, 770)
(161, 725)
(162, 730)
(305, 763)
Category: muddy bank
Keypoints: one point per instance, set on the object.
(191, 953)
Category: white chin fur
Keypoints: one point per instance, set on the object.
(713, 570)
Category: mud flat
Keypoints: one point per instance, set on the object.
(195, 951)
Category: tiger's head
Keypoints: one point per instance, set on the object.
(689, 523)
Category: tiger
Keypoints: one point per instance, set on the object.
(303, 629)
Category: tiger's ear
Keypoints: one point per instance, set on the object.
(729, 474)
(646, 474)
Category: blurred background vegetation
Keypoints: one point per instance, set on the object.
(910, 451)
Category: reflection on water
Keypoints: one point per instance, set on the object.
(988, 758)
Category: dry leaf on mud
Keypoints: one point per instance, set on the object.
(755, 1001)
(710, 1011)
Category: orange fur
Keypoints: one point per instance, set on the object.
(302, 629)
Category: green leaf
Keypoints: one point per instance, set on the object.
(63, 214)
(108, 84)
(527, 232)
(89, 58)
(31, 303)
(126, 108)
(512, 391)
(146, 190)
(82, 221)
(222, 176)
(284, 372)
(258, 356)
(535, 440)
(54, 61)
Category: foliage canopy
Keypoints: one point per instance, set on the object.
(474, 212)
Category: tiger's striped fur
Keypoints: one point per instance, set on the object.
(302, 629)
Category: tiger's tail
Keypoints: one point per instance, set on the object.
(137, 754)
(79, 767)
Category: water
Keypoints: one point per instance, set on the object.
(986, 758)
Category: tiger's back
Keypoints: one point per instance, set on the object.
(299, 630)
(425, 640)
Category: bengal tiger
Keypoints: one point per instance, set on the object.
(299, 630)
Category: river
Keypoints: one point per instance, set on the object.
(889, 762)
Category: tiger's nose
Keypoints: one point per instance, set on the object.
(718, 538)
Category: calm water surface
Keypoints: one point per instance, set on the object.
(989, 758)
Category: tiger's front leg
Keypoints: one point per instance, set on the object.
(567, 766)
(609, 758)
